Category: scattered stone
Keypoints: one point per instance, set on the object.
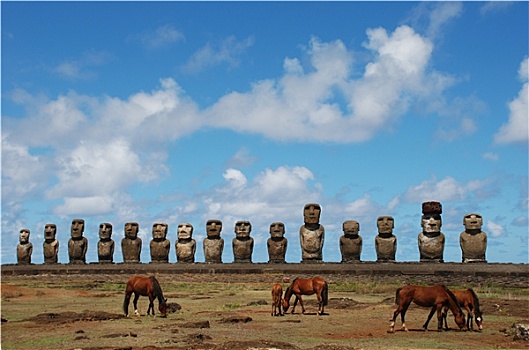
(198, 324)
(258, 302)
(521, 331)
(236, 319)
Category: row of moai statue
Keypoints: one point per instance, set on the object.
(431, 240)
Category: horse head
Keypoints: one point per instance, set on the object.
(286, 305)
(162, 307)
(479, 320)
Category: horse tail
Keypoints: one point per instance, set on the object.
(476, 301)
(157, 290)
(126, 301)
(453, 297)
(397, 296)
(325, 294)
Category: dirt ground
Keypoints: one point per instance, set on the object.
(49, 312)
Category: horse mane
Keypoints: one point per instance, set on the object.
(476, 301)
(158, 290)
(453, 297)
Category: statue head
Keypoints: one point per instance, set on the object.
(131, 230)
(243, 229)
(351, 227)
(385, 225)
(185, 231)
(213, 228)
(77, 228)
(159, 230)
(277, 230)
(105, 231)
(473, 222)
(431, 218)
(311, 213)
(24, 236)
(50, 230)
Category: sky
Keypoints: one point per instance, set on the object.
(188, 111)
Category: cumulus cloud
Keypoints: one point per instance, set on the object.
(447, 189)
(495, 229)
(516, 130)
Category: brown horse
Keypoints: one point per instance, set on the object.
(307, 286)
(146, 286)
(469, 301)
(437, 297)
(277, 293)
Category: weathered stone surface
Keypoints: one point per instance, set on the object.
(385, 241)
(277, 243)
(350, 242)
(213, 244)
(242, 244)
(311, 234)
(185, 245)
(24, 247)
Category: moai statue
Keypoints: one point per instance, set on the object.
(51, 244)
(213, 243)
(77, 244)
(24, 248)
(385, 241)
(242, 243)
(277, 243)
(311, 234)
(105, 246)
(160, 245)
(350, 241)
(431, 239)
(185, 244)
(473, 241)
(131, 243)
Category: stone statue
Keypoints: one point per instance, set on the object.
(131, 243)
(350, 241)
(277, 243)
(213, 243)
(385, 241)
(24, 248)
(473, 241)
(51, 244)
(160, 245)
(242, 243)
(77, 244)
(185, 245)
(105, 246)
(431, 239)
(311, 234)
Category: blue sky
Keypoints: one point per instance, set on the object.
(188, 111)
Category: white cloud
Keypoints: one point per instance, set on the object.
(447, 189)
(516, 130)
(496, 230)
(442, 13)
(494, 6)
(161, 37)
(227, 51)
(81, 68)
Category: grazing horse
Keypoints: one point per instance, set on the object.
(469, 301)
(146, 286)
(437, 297)
(277, 293)
(307, 286)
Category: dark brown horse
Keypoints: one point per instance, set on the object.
(437, 297)
(307, 286)
(277, 294)
(469, 301)
(146, 286)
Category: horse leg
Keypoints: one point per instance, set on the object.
(432, 311)
(151, 304)
(294, 306)
(320, 304)
(445, 314)
(301, 303)
(470, 320)
(439, 318)
(402, 311)
(135, 303)
(126, 304)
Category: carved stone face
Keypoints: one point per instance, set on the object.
(105, 231)
(131, 230)
(24, 236)
(473, 222)
(77, 228)
(50, 230)
(213, 228)
(311, 213)
(159, 230)
(277, 230)
(243, 229)
(185, 231)
(431, 223)
(385, 224)
(351, 227)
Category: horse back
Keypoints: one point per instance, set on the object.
(138, 284)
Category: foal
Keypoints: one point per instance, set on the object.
(277, 292)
